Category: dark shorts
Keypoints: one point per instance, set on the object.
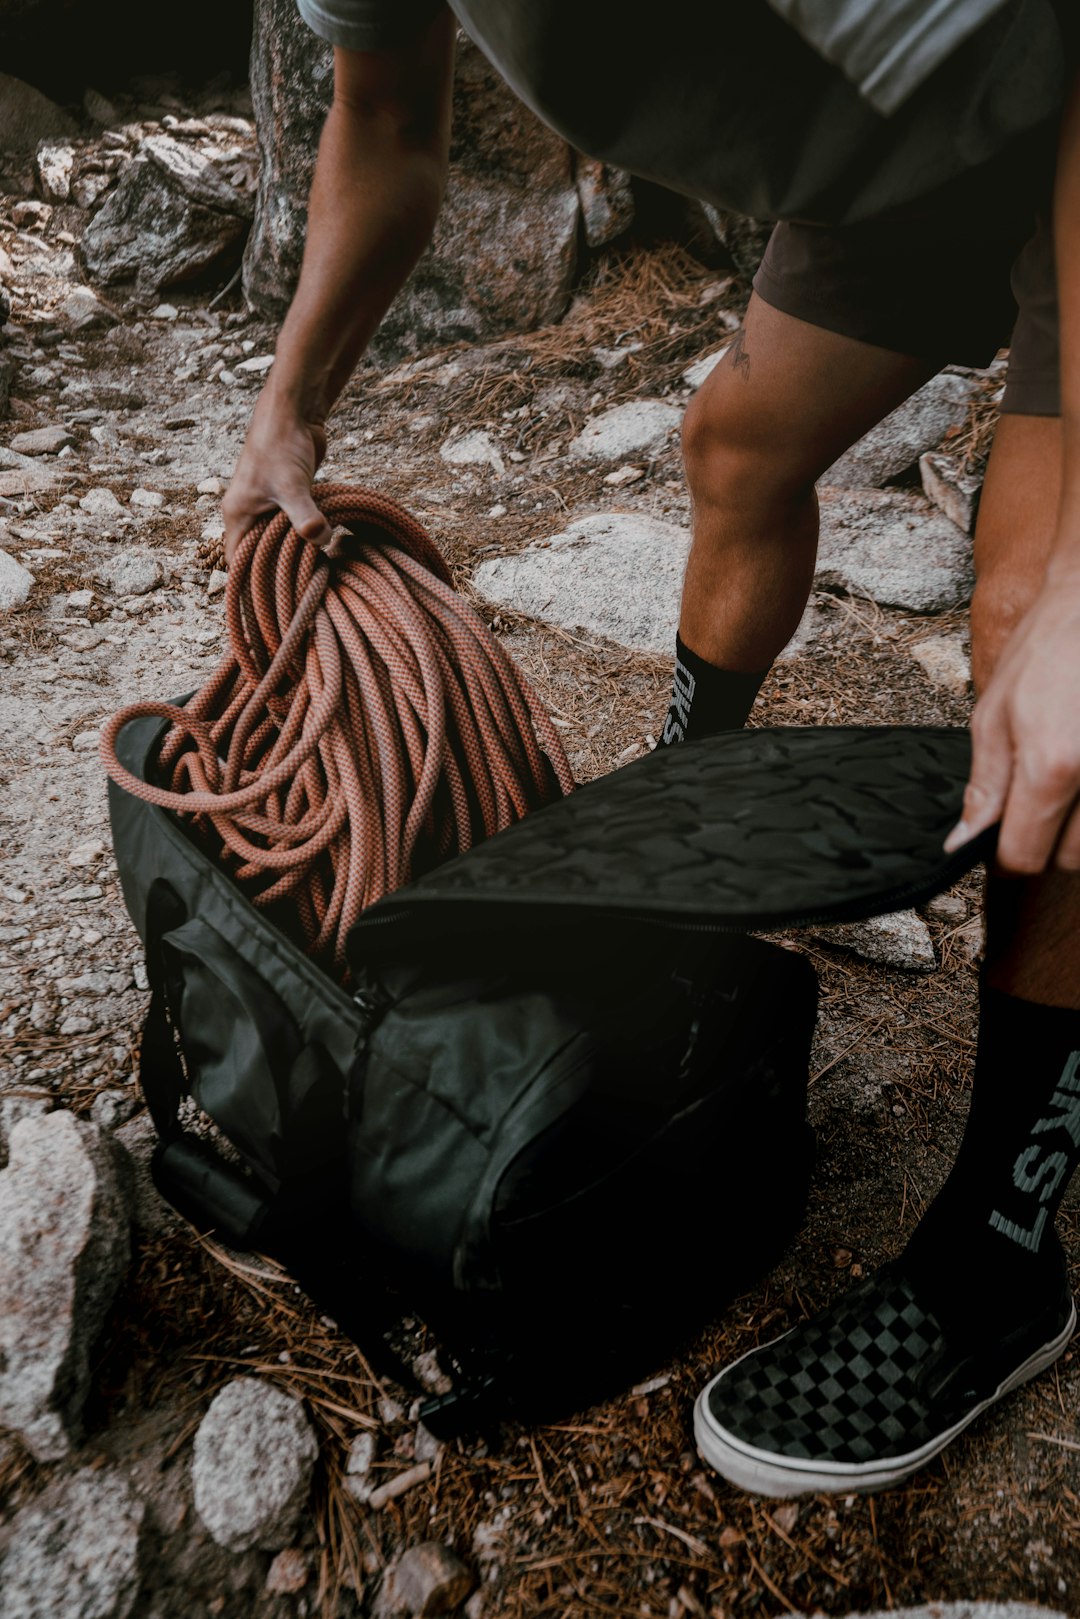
(948, 278)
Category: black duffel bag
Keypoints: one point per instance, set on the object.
(562, 1114)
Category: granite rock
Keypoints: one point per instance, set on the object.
(64, 1249)
(255, 1451)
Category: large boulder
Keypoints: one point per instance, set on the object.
(292, 82)
(901, 437)
(75, 1552)
(504, 250)
(27, 117)
(64, 1249)
(180, 210)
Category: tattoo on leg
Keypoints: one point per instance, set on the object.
(740, 358)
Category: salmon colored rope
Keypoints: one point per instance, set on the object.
(365, 724)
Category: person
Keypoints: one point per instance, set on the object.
(914, 154)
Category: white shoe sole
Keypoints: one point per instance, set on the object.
(762, 1472)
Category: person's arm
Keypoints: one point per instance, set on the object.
(1026, 726)
(378, 184)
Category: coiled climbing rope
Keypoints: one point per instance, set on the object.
(364, 725)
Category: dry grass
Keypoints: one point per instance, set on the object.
(659, 307)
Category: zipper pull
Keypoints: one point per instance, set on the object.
(372, 1002)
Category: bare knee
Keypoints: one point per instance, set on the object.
(731, 465)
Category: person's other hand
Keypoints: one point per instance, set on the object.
(281, 455)
(1025, 768)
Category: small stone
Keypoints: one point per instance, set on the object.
(174, 424)
(213, 528)
(77, 896)
(253, 1460)
(474, 449)
(288, 1573)
(390, 1411)
(75, 1024)
(84, 311)
(79, 601)
(425, 1581)
(218, 580)
(607, 200)
(227, 377)
(953, 490)
(150, 499)
(112, 1108)
(901, 939)
(133, 573)
(361, 1457)
(54, 162)
(88, 188)
(429, 1373)
(85, 854)
(42, 441)
(15, 1108)
(257, 366)
(210, 486)
(75, 1551)
(946, 662)
(86, 741)
(624, 475)
(164, 312)
(695, 374)
(64, 1249)
(497, 511)
(948, 908)
(638, 427)
(16, 582)
(101, 503)
(99, 107)
(30, 214)
(426, 1448)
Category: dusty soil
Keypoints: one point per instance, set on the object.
(610, 1512)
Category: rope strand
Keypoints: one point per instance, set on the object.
(365, 723)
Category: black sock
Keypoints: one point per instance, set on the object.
(705, 699)
(985, 1252)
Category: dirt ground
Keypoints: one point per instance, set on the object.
(610, 1512)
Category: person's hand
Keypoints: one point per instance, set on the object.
(1025, 768)
(281, 454)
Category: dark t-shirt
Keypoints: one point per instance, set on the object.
(732, 104)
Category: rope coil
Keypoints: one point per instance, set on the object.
(364, 725)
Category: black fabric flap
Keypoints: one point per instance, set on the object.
(749, 829)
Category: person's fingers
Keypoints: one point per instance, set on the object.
(1041, 795)
(238, 515)
(306, 518)
(1067, 857)
(988, 784)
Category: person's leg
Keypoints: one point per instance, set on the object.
(1033, 938)
(986, 1249)
(783, 404)
(979, 1300)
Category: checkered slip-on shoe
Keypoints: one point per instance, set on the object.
(865, 1394)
